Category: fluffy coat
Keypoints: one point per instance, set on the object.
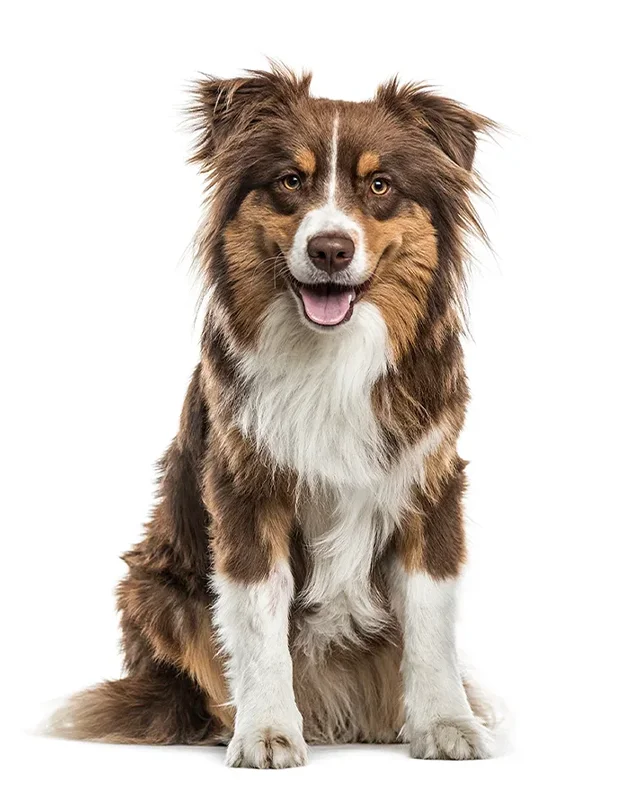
(296, 581)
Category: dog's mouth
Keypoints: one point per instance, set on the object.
(328, 304)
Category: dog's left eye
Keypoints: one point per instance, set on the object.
(291, 182)
(379, 186)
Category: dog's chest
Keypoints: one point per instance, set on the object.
(307, 404)
(308, 409)
(343, 535)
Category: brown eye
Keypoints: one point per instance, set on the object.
(291, 182)
(379, 186)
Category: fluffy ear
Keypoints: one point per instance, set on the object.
(453, 126)
(221, 108)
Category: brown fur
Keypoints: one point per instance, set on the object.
(432, 537)
(222, 507)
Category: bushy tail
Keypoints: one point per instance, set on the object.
(151, 708)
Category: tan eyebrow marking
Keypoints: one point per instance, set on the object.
(368, 162)
(306, 160)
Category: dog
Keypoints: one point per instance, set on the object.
(297, 579)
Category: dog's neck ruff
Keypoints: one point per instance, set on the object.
(308, 401)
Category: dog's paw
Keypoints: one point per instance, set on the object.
(457, 739)
(267, 748)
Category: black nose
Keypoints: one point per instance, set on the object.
(331, 252)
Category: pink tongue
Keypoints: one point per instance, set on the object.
(326, 308)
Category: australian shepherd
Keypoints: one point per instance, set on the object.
(297, 579)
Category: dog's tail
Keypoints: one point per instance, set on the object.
(160, 707)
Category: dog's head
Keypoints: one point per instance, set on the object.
(334, 202)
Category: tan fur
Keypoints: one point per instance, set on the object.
(306, 160)
(250, 263)
(368, 163)
(404, 252)
(254, 243)
(276, 521)
(202, 660)
(411, 544)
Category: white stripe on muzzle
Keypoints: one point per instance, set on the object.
(328, 218)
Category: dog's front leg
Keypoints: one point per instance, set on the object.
(439, 722)
(254, 588)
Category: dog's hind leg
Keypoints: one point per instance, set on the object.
(174, 690)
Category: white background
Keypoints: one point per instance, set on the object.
(98, 341)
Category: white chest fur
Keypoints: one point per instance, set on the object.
(343, 532)
(309, 409)
(309, 406)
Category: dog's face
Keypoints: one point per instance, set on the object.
(335, 203)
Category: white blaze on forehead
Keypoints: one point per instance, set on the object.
(332, 182)
(328, 218)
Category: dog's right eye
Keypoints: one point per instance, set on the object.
(379, 186)
(291, 182)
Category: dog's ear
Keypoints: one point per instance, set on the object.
(223, 108)
(453, 127)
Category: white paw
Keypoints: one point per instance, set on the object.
(267, 747)
(457, 739)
